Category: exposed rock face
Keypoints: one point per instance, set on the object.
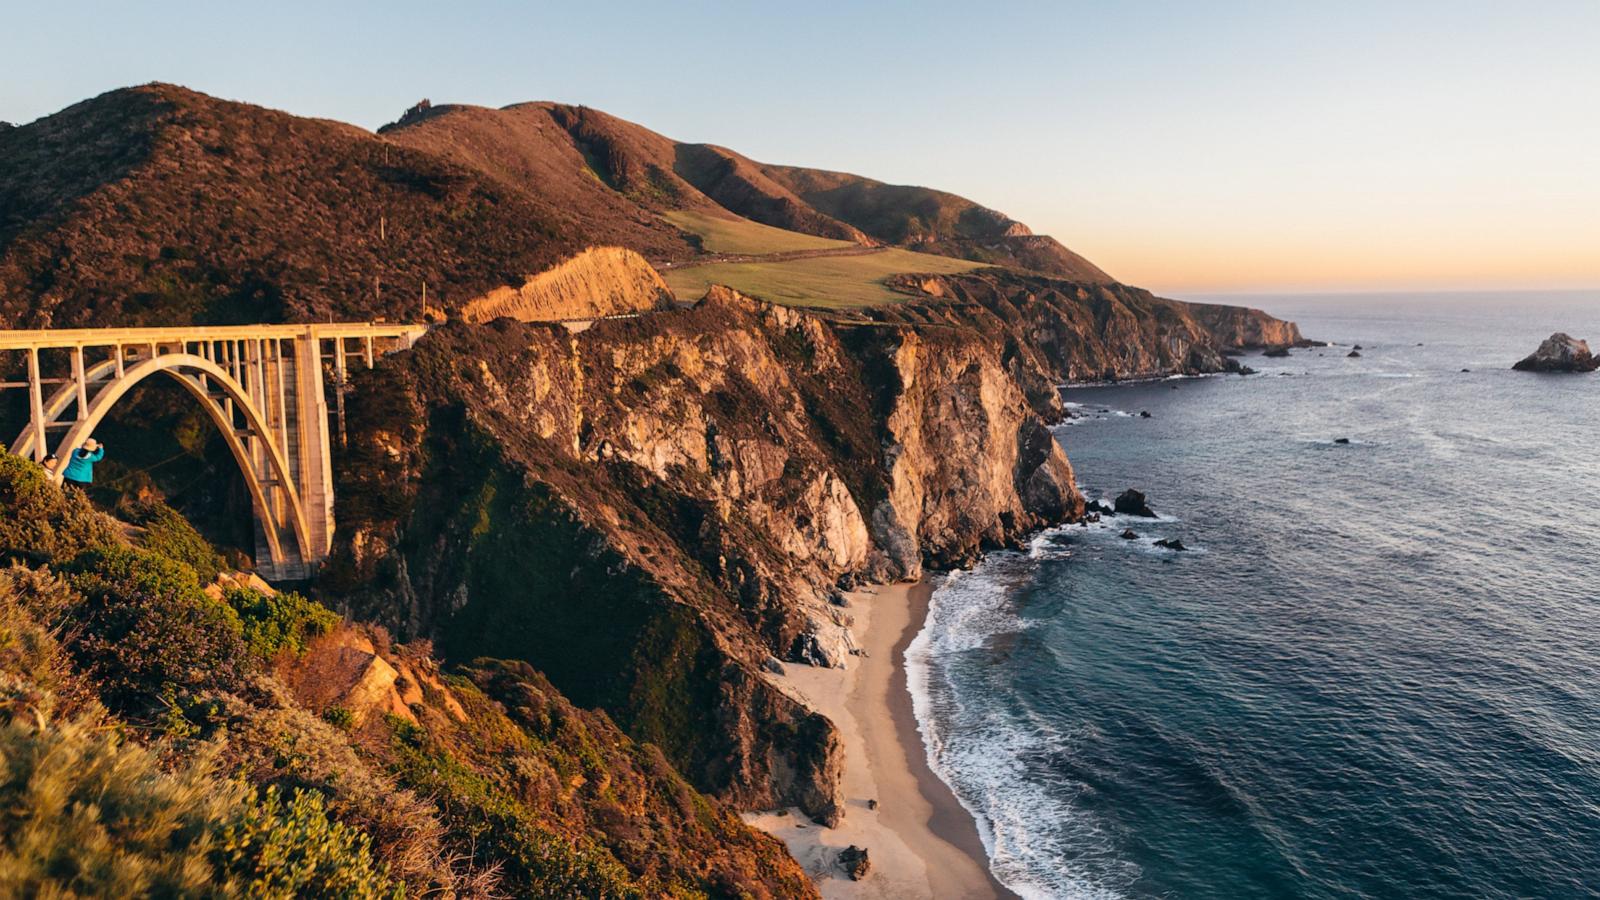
(1132, 503)
(1560, 352)
(1243, 328)
(1060, 331)
(600, 281)
(648, 510)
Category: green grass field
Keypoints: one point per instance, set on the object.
(719, 235)
(838, 282)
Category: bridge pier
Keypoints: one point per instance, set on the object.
(262, 385)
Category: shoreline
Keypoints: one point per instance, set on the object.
(920, 840)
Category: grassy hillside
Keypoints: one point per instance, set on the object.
(840, 282)
(722, 234)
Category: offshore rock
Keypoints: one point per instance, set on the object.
(1560, 352)
(1132, 503)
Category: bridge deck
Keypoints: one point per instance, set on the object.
(50, 338)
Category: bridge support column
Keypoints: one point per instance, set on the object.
(313, 450)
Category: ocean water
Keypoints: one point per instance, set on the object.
(1377, 672)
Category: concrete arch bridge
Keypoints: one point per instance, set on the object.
(266, 387)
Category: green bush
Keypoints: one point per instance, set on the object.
(82, 814)
(39, 521)
(292, 849)
(145, 624)
(169, 534)
(289, 747)
(30, 654)
(284, 621)
(536, 862)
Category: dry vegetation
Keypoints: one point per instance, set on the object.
(837, 282)
(722, 234)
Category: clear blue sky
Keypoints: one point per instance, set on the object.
(1183, 146)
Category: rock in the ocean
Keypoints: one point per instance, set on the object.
(1132, 503)
(1144, 413)
(1171, 544)
(1098, 506)
(1341, 440)
(1560, 353)
(1354, 353)
(1358, 347)
(1277, 352)
(1128, 534)
(854, 861)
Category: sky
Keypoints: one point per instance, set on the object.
(1182, 146)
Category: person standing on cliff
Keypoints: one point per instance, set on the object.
(80, 464)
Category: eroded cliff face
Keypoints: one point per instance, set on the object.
(1058, 332)
(600, 281)
(647, 510)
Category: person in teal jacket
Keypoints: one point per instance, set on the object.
(80, 464)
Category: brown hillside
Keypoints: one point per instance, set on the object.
(158, 204)
(654, 172)
(575, 155)
(934, 222)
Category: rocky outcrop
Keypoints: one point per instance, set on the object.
(600, 281)
(1057, 332)
(1560, 352)
(1132, 503)
(648, 510)
(1244, 328)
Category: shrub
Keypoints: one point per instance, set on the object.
(487, 819)
(39, 521)
(82, 814)
(284, 621)
(30, 653)
(145, 624)
(339, 717)
(169, 534)
(292, 849)
(289, 747)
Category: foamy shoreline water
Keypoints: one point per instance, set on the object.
(922, 843)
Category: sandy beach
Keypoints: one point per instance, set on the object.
(920, 841)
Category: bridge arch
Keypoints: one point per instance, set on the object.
(265, 387)
(187, 369)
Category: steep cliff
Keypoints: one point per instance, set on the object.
(647, 510)
(1056, 331)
